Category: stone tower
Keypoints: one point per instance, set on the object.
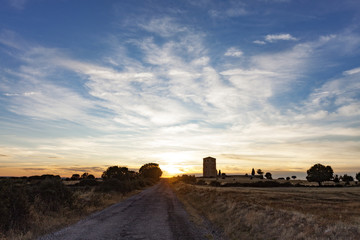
(209, 167)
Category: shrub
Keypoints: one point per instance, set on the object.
(87, 182)
(215, 184)
(115, 185)
(51, 194)
(268, 175)
(75, 177)
(14, 207)
(201, 182)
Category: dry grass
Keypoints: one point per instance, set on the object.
(277, 213)
(85, 203)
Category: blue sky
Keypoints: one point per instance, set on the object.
(257, 84)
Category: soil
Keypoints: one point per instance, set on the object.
(154, 213)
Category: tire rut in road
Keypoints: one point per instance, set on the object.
(155, 213)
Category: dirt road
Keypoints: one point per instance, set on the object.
(154, 213)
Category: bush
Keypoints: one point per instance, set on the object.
(87, 182)
(115, 185)
(201, 182)
(215, 184)
(51, 194)
(14, 207)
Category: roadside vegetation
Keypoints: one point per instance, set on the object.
(36, 205)
(251, 207)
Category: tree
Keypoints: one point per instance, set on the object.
(253, 172)
(150, 170)
(319, 173)
(75, 177)
(260, 172)
(346, 178)
(336, 179)
(268, 175)
(358, 176)
(121, 173)
(288, 178)
(91, 176)
(85, 175)
(293, 177)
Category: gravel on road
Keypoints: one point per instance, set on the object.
(154, 213)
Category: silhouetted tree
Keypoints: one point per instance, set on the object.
(120, 173)
(346, 178)
(319, 173)
(358, 176)
(91, 176)
(260, 172)
(293, 177)
(219, 172)
(253, 172)
(288, 178)
(268, 175)
(336, 179)
(84, 175)
(75, 177)
(150, 170)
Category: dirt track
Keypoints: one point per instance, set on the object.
(154, 213)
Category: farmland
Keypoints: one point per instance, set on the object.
(276, 213)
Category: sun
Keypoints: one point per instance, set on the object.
(171, 170)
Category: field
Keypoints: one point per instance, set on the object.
(276, 213)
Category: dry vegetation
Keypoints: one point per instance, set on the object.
(276, 213)
(31, 209)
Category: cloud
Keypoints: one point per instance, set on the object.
(35, 169)
(173, 99)
(18, 4)
(352, 71)
(259, 42)
(83, 169)
(233, 52)
(236, 12)
(165, 27)
(277, 37)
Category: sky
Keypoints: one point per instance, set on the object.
(264, 84)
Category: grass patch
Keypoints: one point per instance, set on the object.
(277, 213)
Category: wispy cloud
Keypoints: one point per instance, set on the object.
(18, 4)
(277, 37)
(271, 38)
(231, 12)
(233, 52)
(352, 71)
(173, 99)
(165, 27)
(259, 42)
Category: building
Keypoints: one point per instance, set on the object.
(209, 167)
